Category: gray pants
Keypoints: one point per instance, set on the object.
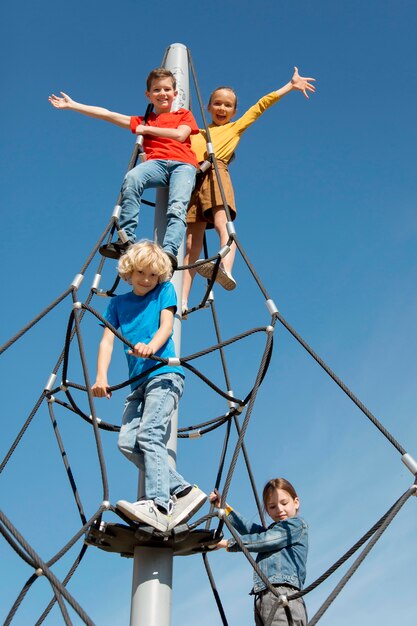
(266, 600)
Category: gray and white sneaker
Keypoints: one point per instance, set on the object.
(145, 512)
(186, 506)
(226, 280)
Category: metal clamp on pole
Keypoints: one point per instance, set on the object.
(116, 211)
(223, 251)
(96, 282)
(230, 227)
(142, 153)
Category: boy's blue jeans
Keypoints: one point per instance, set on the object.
(145, 431)
(179, 177)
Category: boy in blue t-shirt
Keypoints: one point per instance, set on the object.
(145, 317)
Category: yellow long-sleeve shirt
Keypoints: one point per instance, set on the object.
(226, 138)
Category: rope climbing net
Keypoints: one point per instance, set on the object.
(63, 396)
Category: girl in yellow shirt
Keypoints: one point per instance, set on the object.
(206, 207)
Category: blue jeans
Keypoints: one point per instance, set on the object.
(145, 431)
(179, 177)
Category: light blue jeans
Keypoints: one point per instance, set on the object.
(145, 431)
(179, 177)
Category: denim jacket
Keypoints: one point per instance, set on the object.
(281, 549)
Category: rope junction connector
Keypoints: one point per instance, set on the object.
(77, 305)
(173, 360)
(116, 211)
(283, 600)
(96, 282)
(410, 463)
(77, 281)
(39, 572)
(223, 251)
(195, 434)
(271, 306)
(231, 403)
(106, 505)
(51, 399)
(122, 235)
(210, 297)
(210, 150)
(63, 387)
(51, 382)
(221, 513)
(269, 329)
(230, 227)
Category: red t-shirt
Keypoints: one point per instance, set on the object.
(163, 147)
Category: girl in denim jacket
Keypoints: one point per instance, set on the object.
(281, 550)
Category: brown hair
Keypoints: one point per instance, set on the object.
(223, 87)
(277, 483)
(160, 72)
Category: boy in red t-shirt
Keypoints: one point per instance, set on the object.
(169, 160)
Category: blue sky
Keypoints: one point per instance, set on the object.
(326, 194)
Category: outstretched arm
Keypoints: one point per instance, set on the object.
(297, 82)
(65, 102)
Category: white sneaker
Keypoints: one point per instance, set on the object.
(145, 512)
(226, 280)
(186, 506)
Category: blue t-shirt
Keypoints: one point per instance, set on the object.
(138, 319)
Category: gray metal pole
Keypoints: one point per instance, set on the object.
(152, 568)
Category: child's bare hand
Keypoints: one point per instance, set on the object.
(60, 103)
(140, 129)
(101, 390)
(142, 350)
(301, 83)
(215, 498)
(222, 544)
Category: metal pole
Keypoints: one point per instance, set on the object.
(152, 569)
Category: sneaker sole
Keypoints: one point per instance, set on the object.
(222, 278)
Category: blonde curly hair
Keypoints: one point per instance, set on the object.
(145, 255)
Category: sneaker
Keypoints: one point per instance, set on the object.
(145, 512)
(115, 249)
(186, 506)
(226, 280)
(173, 259)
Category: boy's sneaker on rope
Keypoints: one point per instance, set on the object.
(206, 269)
(115, 249)
(145, 512)
(185, 506)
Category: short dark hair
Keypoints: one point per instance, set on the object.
(160, 72)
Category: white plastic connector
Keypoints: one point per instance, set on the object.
(77, 305)
(271, 306)
(221, 513)
(223, 251)
(96, 282)
(77, 281)
(122, 235)
(231, 403)
(283, 600)
(50, 383)
(106, 505)
(269, 329)
(51, 399)
(39, 572)
(210, 296)
(196, 434)
(116, 211)
(175, 361)
(210, 149)
(230, 227)
(410, 463)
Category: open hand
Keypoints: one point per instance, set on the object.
(60, 103)
(301, 83)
